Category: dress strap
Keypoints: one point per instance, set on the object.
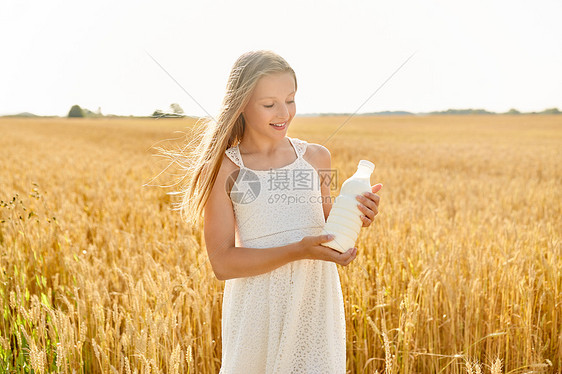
(299, 145)
(233, 154)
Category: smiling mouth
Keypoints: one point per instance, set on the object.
(278, 125)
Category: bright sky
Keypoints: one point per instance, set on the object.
(494, 55)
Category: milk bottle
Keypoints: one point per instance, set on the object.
(344, 220)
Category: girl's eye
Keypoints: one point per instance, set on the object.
(271, 106)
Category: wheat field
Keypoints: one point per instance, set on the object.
(461, 272)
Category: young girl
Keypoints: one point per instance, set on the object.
(264, 211)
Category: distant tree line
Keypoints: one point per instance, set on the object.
(76, 112)
(176, 111)
(444, 112)
(482, 111)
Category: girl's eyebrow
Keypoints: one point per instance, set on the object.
(273, 97)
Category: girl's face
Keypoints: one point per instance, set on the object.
(272, 102)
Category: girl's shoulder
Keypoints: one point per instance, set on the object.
(301, 145)
(311, 149)
(315, 154)
(227, 174)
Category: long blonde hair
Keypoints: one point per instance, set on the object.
(208, 146)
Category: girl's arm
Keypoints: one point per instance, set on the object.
(227, 260)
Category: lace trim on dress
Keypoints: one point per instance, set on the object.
(234, 152)
(234, 156)
(300, 145)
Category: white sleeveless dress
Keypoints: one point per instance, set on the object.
(292, 319)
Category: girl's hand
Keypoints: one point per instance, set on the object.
(369, 204)
(312, 250)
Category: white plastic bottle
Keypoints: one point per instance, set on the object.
(344, 220)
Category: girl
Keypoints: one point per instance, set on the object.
(264, 210)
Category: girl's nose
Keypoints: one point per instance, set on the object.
(283, 112)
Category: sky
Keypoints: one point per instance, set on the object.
(133, 57)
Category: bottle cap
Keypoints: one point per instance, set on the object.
(367, 164)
